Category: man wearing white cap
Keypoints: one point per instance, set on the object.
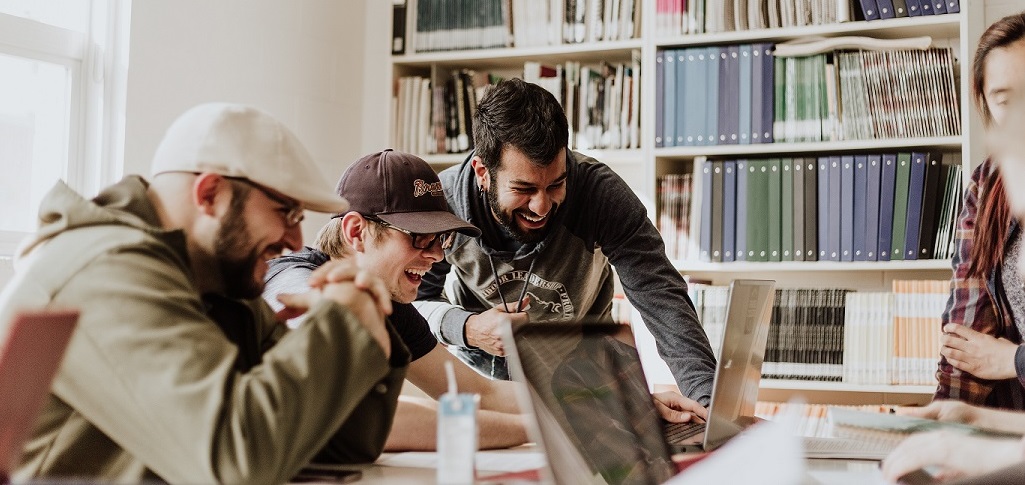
(178, 370)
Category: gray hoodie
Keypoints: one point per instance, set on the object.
(568, 275)
(159, 381)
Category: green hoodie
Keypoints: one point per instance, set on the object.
(162, 382)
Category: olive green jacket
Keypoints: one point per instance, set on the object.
(160, 382)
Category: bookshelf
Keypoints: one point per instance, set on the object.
(642, 166)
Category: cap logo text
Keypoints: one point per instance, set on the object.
(422, 188)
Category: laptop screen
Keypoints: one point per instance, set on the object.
(589, 379)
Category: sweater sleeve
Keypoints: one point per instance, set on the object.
(656, 289)
(152, 371)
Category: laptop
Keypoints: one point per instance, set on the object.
(591, 402)
(31, 349)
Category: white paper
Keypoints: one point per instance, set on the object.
(766, 453)
(488, 461)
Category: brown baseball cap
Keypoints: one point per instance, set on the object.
(402, 190)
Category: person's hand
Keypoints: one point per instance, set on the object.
(676, 408)
(944, 410)
(953, 454)
(484, 330)
(977, 353)
(342, 271)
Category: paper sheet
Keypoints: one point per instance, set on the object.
(490, 461)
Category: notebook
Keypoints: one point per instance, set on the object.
(31, 349)
(591, 401)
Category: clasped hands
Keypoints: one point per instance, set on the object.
(364, 294)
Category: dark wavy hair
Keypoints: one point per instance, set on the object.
(522, 115)
(994, 216)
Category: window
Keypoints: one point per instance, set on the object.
(62, 72)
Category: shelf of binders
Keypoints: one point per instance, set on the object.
(687, 266)
(938, 26)
(952, 143)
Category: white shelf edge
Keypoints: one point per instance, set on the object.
(888, 144)
(747, 266)
(902, 27)
(799, 385)
(514, 53)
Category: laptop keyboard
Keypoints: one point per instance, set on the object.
(678, 432)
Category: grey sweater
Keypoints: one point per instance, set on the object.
(601, 224)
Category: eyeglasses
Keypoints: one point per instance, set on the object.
(294, 212)
(420, 241)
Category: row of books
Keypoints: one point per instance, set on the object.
(477, 24)
(894, 337)
(436, 117)
(813, 419)
(888, 9)
(681, 17)
(842, 95)
(602, 105)
(843, 336)
(864, 207)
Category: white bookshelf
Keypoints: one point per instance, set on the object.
(641, 167)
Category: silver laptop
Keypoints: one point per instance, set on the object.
(595, 415)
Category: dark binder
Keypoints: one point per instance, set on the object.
(932, 205)
(660, 99)
(860, 207)
(900, 9)
(847, 208)
(708, 129)
(953, 6)
(939, 7)
(729, 102)
(885, 9)
(887, 184)
(786, 210)
(869, 9)
(744, 107)
(811, 210)
(398, 29)
(740, 223)
(717, 211)
(926, 6)
(872, 185)
(835, 214)
(758, 211)
(768, 91)
(823, 208)
(689, 118)
(797, 171)
(900, 206)
(775, 215)
(916, 189)
(729, 210)
(684, 63)
(705, 241)
(669, 93)
(914, 10)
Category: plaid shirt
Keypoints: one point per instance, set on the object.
(981, 305)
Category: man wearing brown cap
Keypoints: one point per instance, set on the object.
(178, 371)
(396, 228)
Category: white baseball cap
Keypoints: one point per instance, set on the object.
(240, 141)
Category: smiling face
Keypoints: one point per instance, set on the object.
(252, 231)
(523, 195)
(389, 254)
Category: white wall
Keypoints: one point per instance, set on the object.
(300, 60)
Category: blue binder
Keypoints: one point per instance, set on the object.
(886, 9)
(860, 207)
(705, 241)
(740, 235)
(835, 209)
(710, 127)
(729, 210)
(669, 93)
(869, 9)
(847, 208)
(953, 6)
(916, 189)
(660, 100)
(683, 86)
(887, 183)
(823, 208)
(872, 184)
(717, 211)
(915, 9)
(744, 106)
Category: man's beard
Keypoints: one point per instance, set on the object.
(236, 256)
(508, 219)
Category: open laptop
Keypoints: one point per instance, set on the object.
(591, 400)
(31, 349)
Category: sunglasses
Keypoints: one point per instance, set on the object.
(420, 241)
